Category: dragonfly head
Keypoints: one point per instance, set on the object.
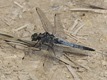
(34, 37)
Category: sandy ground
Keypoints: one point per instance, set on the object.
(90, 30)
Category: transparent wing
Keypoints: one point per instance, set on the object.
(58, 25)
(48, 27)
(72, 50)
(9, 38)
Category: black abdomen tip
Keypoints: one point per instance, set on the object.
(87, 48)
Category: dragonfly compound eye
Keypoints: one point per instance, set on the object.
(34, 37)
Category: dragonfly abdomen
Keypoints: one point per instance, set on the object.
(63, 42)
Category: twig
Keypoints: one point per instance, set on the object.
(95, 7)
(100, 11)
(5, 21)
(65, 61)
(85, 67)
(73, 72)
(20, 28)
(73, 37)
(74, 25)
(76, 31)
(18, 4)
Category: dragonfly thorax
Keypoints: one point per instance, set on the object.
(43, 37)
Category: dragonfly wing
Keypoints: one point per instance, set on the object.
(58, 26)
(9, 38)
(72, 50)
(48, 27)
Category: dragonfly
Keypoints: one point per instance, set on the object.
(51, 38)
(52, 34)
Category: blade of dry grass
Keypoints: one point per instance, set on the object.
(77, 30)
(100, 11)
(73, 72)
(83, 66)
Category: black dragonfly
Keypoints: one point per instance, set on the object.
(51, 37)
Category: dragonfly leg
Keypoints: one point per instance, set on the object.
(38, 45)
(35, 45)
(51, 46)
